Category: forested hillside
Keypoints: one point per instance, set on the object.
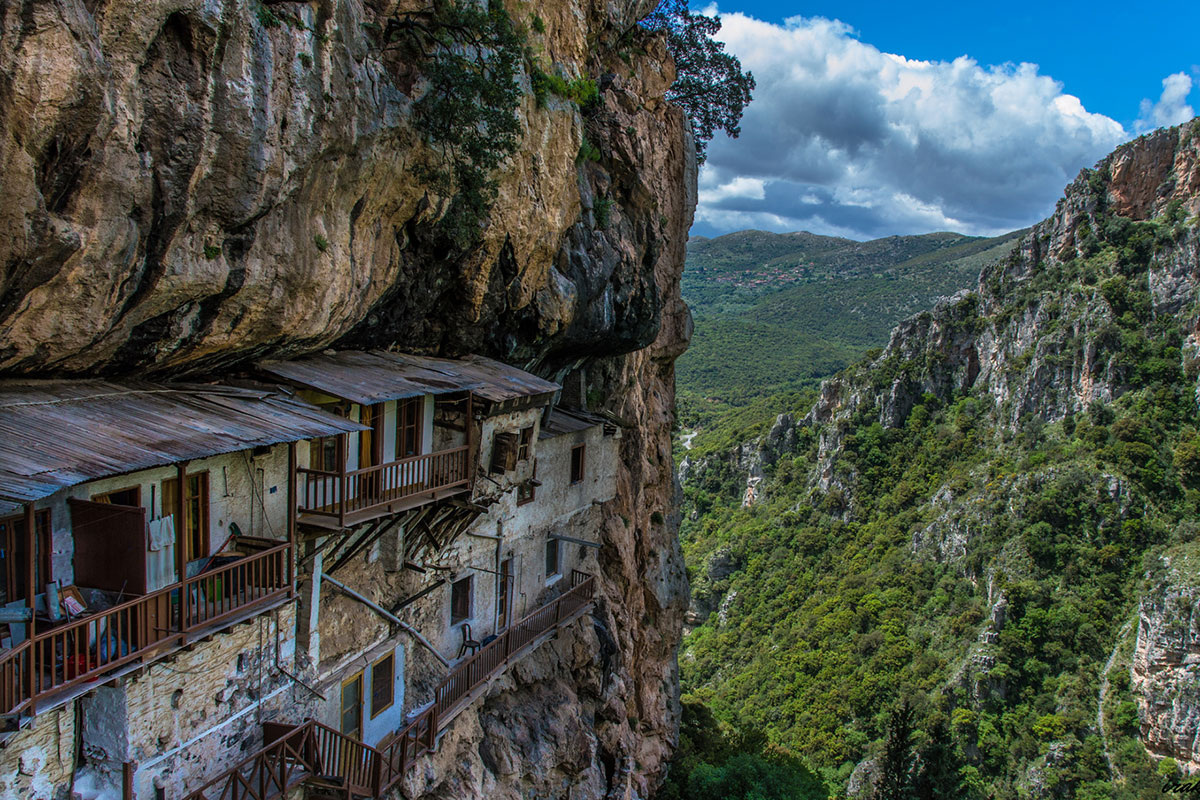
(778, 312)
(993, 519)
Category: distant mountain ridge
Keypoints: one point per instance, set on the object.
(777, 311)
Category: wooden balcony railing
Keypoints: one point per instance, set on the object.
(353, 495)
(84, 649)
(345, 767)
(492, 659)
(220, 593)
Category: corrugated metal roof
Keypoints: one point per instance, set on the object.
(55, 434)
(563, 421)
(368, 377)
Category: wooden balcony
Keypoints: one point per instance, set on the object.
(144, 628)
(341, 499)
(325, 759)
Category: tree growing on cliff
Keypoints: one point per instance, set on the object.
(470, 57)
(709, 83)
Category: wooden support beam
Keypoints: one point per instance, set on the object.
(291, 514)
(180, 540)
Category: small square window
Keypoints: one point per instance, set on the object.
(460, 600)
(525, 446)
(383, 684)
(552, 552)
(577, 460)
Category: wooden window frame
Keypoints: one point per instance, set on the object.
(525, 444)
(527, 491)
(581, 449)
(43, 543)
(407, 428)
(358, 676)
(469, 581)
(556, 545)
(317, 447)
(391, 684)
(203, 505)
(105, 497)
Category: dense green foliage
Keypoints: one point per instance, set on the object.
(836, 604)
(470, 56)
(778, 312)
(715, 762)
(709, 83)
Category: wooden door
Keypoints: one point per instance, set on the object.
(13, 556)
(504, 601)
(370, 449)
(194, 529)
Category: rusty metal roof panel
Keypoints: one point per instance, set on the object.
(563, 420)
(55, 434)
(368, 377)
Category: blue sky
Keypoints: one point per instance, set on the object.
(873, 119)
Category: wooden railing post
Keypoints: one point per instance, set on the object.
(291, 516)
(35, 656)
(181, 541)
(344, 482)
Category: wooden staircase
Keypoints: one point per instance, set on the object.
(325, 764)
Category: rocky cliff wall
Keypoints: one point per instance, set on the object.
(1166, 661)
(191, 184)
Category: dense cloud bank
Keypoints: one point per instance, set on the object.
(845, 139)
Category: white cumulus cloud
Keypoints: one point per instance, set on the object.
(842, 138)
(1172, 107)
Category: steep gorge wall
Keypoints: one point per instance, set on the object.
(190, 185)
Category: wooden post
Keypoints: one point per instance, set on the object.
(180, 541)
(291, 517)
(343, 481)
(472, 450)
(127, 780)
(34, 661)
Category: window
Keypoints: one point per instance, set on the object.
(577, 464)
(408, 426)
(504, 452)
(460, 600)
(352, 697)
(383, 684)
(553, 567)
(195, 513)
(13, 557)
(121, 497)
(526, 444)
(527, 489)
(323, 452)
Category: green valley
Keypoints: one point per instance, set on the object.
(779, 312)
(966, 564)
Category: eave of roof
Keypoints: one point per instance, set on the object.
(376, 376)
(59, 433)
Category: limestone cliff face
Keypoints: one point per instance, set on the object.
(192, 184)
(1038, 352)
(1166, 662)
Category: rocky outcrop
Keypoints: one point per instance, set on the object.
(1033, 337)
(1166, 661)
(191, 185)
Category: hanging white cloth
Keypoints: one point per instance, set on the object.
(160, 560)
